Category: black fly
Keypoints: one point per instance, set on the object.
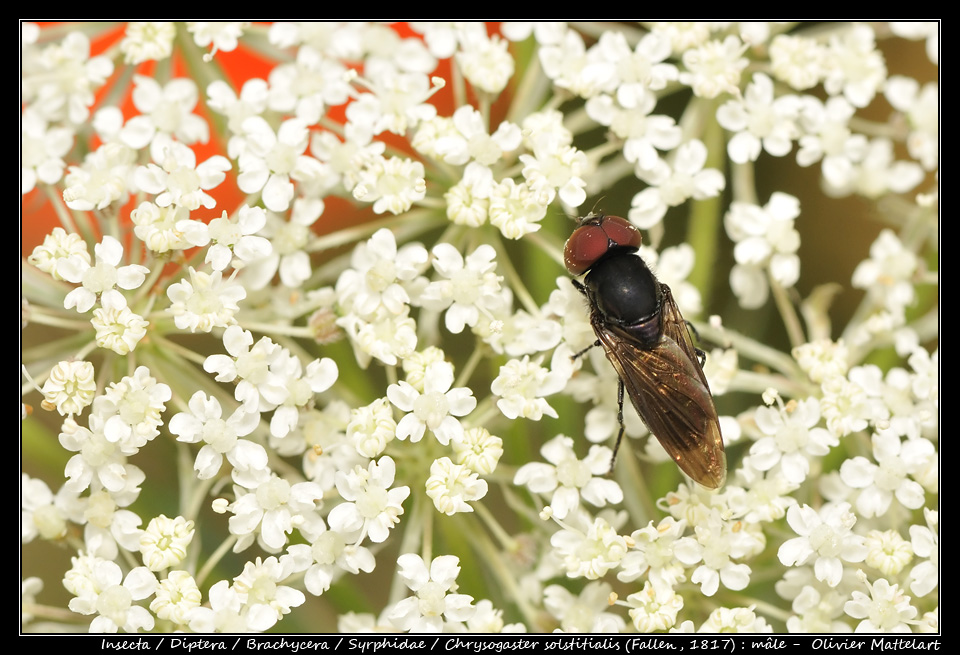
(646, 339)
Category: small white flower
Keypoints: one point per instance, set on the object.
(70, 387)
(322, 438)
(823, 359)
(62, 82)
(119, 330)
(287, 241)
(556, 168)
(329, 555)
(309, 86)
(176, 596)
(766, 495)
(924, 577)
(515, 332)
(57, 245)
(164, 542)
(371, 428)
(591, 552)
(301, 385)
(921, 107)
(221, 437)
(826, 538)
(101, 278)
(466, 139)
(372, 508)
(653, 553)
(392, 185)
(584, 612)
(672, 185)
(792, 439)
(164, 111)
(237, 238)
(714, 67)
(654, 608)
(880, 482)
(385, 336)
(205, 301)
(485, 61)
(515, 208)
(451, 487)
(380, 274)
(569, 479)
(251, 102)
(878, 173)
(643, 67)
(398, 102)
(146, 41)
(716, 545)
(888, 552)
(259, 384)
(583, 72)
(521, 385)
(416, 365)
(222, 34)
(470, 286)
(260, 589)
(888, 274)
(226, 613)
(631, 117)
(131, 409)
(41, 513)
(100, 588)
(436, 408)
(797, 60)
(268, 159)
(489, 620)
(164, 229)
(105, 178)
(760, 121)
(109, 527)
(827, 136)
(854, 65)
(885, 609)
(736, 619)
(479, 450)
(851, 403)
(41, 150)
(98, 461)
(433, 600)
(817, 610)
(273, 509)
(178, 179)
(468, 201)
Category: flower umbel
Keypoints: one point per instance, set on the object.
(301, 351)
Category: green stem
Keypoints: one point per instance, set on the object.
(705, 223)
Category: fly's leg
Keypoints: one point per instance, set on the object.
(582, 289)
(701, 356)
(616, 446)
(585, 350)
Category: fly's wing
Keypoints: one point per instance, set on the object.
(676, 328)
(669, 392)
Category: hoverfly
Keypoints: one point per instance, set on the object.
(648, 342)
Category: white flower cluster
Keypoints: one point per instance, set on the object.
(322, 313)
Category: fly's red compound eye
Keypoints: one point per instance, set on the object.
(596, 236)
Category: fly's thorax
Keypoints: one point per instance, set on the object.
(627, 295)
